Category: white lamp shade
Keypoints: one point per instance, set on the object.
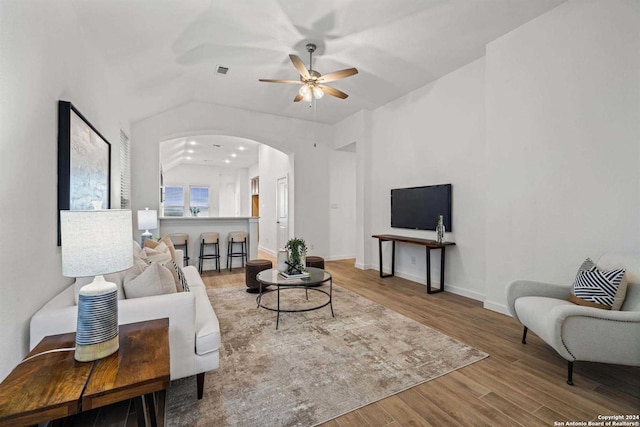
(96, 242)
(147, 219)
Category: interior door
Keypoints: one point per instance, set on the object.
(282, 211)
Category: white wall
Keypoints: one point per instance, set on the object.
(292, 136)
(357, 129)
(44, 59)
(435, 135)
(272, 165)
(243, 193)
(228, 195)
(563, 143)
(342, 204)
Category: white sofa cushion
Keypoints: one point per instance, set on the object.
(117, 278)
(207, 327)
(534, 313)
(155, 279)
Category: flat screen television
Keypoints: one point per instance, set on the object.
(418, 208)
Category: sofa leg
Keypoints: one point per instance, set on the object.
(200, 380)
(570, 373)
(524, 335)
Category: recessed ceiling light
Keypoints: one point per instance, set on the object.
(233, 154)
(188, 158)
(192, 143)
(241, 148)
(189, 151)
(227, 161)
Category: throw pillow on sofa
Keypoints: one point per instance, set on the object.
(599, 288)
(117, 278)
(155, 279)
(161, 253)
(148, 243)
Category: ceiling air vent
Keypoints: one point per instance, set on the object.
(222, 70)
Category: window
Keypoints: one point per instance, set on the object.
(173, 201)
(199, 199)
(125, 171)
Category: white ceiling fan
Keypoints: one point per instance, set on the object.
(313, 83)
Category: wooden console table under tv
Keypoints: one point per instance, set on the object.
(428, 244)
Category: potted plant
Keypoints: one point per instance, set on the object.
(297, 249)
(194, 211)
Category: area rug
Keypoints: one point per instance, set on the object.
(315, 367)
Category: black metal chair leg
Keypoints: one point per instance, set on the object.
(200, 384)
(570, 373)
(524, 335)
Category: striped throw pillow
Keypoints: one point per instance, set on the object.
(597, 288)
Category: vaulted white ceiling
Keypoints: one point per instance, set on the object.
(163, 53)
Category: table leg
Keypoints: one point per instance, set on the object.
(393, 258)
(139, 405)
(428, 269)
(331, 296)
(380, 256)
(429, 290)
(442, 268)
(278, 315)
(151, 408)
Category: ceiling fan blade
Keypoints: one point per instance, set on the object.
(337, 75)
(333, 92)
(298, 98)
(295, 82)
(297, 62)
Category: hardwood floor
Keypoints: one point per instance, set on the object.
(518, 385)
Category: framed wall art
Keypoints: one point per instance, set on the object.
(84, 163)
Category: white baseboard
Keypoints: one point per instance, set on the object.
(361, 266)
(494, 306)
(436, 284)
(448, 287)
(339, 257)
(269, 251)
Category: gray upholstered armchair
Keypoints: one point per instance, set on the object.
(577, 332)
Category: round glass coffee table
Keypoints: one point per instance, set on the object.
(317, 277)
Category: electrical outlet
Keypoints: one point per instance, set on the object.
(413, 260)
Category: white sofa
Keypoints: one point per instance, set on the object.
(194, 333)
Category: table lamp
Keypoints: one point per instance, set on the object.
(147, 220)
(96, 243)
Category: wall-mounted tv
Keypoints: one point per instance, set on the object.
(418, 208)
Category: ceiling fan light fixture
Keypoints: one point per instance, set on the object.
(306, 93)
(313, 84)
(304, 90)
(317, 92)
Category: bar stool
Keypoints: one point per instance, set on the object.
(181, 239)
(236, 238)
(211, 239)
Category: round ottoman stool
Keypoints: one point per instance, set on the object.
(315, 261)
(252, 269)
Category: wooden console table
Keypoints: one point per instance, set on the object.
(55, 385)
(428, 244)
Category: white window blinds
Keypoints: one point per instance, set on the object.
(125, 171)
